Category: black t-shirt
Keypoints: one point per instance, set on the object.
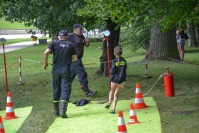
(62, 52)
(78, 42)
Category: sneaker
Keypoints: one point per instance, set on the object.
(112, 111)
(108, 105)
(91, 93)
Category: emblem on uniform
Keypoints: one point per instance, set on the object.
(63, 45)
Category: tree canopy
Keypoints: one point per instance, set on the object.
(48, 15)
(171, 12)
(139, 15)
(52, 15)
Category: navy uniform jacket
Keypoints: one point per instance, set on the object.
(62, 53)
(78, 42)
(118, 70)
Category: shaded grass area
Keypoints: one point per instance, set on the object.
(191, 54)
(178, 114)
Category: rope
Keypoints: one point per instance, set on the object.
(9, 66)
(106, 61)
(50, 63)
(89, 63)
(32, 61)
(154, 84)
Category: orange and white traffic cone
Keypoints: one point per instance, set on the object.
(1, 126)
(121, 123)
(139, 101)
(133, 118)
(10, 114)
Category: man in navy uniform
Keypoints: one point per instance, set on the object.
(77, 67)
(63, 54)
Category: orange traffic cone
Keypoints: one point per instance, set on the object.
(121, 123)
(1, 126)
(139, 101)
(133, 118)
(9, 108)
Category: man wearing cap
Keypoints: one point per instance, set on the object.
(77, 67)
(63, 54)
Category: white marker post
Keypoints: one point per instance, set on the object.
(20, 75)
(146, 65)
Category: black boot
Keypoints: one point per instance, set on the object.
(56, 108)
(64, 109)
(88, 92)
(91, 93)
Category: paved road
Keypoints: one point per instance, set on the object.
(20, 36)
(17, 46)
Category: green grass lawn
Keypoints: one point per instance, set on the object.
(5, 25)
(178, 114)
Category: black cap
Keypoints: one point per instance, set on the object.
(63, 33)
(77, 26)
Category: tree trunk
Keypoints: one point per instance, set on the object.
(114, 36)
(192, 35)
(113, 42)
(103, 70)
(162, 45)
(94, 33)
(197, 33)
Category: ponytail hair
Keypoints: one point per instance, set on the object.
(118, 51)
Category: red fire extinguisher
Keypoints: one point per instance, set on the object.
(168, 83)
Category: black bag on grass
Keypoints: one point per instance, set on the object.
(81, 102)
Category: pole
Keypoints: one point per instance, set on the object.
(20, 75)
(108, 56)
(5, 69)
(106, 34)
(146, 65)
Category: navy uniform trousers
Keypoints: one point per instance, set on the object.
(77, 68)
(61, 83)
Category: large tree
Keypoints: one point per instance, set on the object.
(163, 16)
(193, 34)
(170, 15)
(103, 11)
